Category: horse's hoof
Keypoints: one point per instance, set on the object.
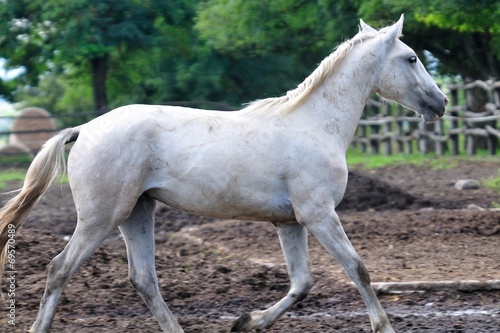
(241, 324)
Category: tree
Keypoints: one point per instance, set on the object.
(276, 42)
(155, 51)
(45, 34)
(181, 66)
(463, 35)
(270, 26)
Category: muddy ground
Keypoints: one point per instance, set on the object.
(408, 223)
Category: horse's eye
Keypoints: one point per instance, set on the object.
(412, 60)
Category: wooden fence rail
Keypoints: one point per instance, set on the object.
(471, 122)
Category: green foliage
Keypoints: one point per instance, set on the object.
(216, 50)
(261, 26)
(94, 28)
(22, 38)
(51, 35)
(460, 15)
(494, 183)
(463, 35)
(464, 16)
(60, 94)
(270, 26)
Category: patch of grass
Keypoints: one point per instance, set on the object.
(442, 163)
(18, 175)
(14, 175)
(17, 160)
(493, 183)
(356, 158)
(367, 161)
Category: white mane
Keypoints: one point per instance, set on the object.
(293, 98)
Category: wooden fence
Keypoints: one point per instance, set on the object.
(470, 123)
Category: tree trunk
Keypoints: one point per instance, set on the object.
(99, 72)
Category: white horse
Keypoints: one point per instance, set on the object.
(278, 159)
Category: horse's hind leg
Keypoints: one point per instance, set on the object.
(138, 233)
(293, 239)
(88, 235)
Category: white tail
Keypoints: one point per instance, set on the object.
(48, 163)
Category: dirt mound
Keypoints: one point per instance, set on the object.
(365, 192)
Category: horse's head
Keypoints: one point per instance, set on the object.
(402, 77)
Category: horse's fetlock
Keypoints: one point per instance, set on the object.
(383, 326)
(298, 294)
(241, 324)
(308, 285)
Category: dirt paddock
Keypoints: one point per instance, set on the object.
(408, 223)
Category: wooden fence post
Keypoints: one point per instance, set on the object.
(386, 128)
(440, 144)
(454, 121)
(422, 138)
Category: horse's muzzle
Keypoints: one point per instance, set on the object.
(440, 112)
(439, 107)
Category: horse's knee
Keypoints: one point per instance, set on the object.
(57, 271)
(142, 283)
(136, 282)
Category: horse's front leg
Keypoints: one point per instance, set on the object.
(325, 224)
(293, 239)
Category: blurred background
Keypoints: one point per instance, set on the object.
(78, 59)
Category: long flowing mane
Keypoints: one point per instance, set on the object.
(293, 98)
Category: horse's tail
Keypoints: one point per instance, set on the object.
(48, 163)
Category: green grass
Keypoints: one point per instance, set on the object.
(13, 169)
(14, 175)
(19, 160)
(367, 161)
(493, 183)
(356, 158)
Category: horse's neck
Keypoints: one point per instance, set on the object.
(339, 102)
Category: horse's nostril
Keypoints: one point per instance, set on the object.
(446, 101)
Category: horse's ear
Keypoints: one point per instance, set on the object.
(395, 30)
(364, 26)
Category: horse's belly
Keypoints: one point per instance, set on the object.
(227, 204)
